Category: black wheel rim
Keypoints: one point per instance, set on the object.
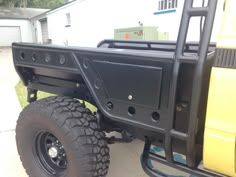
(50, 154)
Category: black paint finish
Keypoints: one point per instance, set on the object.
(155, 89)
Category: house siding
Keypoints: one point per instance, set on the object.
(24, 25)
(93, 21)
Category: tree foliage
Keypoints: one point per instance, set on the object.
(44, 4)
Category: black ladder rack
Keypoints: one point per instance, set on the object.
(190, 137)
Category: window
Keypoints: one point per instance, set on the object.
(167, 4)
(68, 20)
(170, 4)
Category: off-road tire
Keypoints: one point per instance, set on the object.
(77, 129)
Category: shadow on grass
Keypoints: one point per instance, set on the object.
(21, 92)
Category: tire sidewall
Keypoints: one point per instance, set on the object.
(38, 121)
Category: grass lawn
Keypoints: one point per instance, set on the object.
(21, 92)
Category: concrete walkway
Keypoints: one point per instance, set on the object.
(9, 104)
(10, 165)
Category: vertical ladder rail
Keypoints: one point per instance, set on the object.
(190, 137)
(197, 81)
(189, 11)
(178, 53)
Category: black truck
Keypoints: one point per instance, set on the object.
(155, 91)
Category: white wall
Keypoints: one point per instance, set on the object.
(170, 22)
(25, 27)
(194, 29)
(93, 20)
(37, 31)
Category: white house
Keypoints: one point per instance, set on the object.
(15, 25)
(168, 16)
(39, 28)
(86, 22)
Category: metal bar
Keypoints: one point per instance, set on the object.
(182, 167)
(179, 135)
(198, 11)
(147, 155)
(168, 46)
(138, 42)
(144, 161)
(173, 85)
(197, 83)
(147, 42)
(191, 58)
(183, 30)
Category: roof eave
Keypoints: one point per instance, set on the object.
(64, 6)
(13, 18)
(39, 16)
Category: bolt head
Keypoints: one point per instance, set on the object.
(130, 97)
(53, 152)
(110, 105)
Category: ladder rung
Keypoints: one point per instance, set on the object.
(188, 59)
(179, 135)
(198, 11)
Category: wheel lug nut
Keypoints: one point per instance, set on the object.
(53, 152)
